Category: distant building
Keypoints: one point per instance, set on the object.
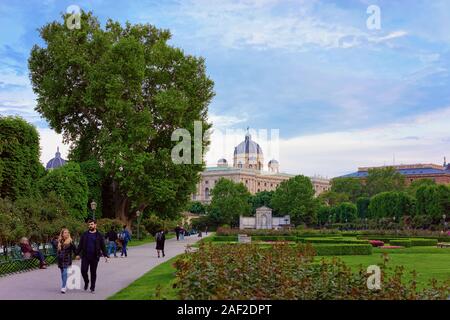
(247, 168)
(438, 173)
(263, 220)
(56, 162)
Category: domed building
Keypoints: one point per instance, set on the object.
(248, 168)
(56, 162)
(248, 154)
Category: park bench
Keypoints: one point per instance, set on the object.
(16, 262)
(443, 245)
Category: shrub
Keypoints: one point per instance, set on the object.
(342, 249)
(224, 238)
(104, 225)
(274, 238)
(331, 240)
(283, 271)
(423, 242)
(403, 242)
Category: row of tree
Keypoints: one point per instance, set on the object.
(383, 196)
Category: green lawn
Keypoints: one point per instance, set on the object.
(428, 262)
(154, 285)
(134, 243)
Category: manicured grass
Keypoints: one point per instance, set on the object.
(134, 243)
(428, 262)
(157, 284)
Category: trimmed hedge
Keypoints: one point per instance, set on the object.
(224, 238)
(423, 242)
(404, 243)
(274, 238)
(332, 241)
(342, 249)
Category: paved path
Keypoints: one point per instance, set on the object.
(113, 276)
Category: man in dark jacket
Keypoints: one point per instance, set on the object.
(91, 248)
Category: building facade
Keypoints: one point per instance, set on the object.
(438, 173)
(248, 160)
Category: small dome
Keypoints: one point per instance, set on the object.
(56, 162)
(273, 161)
(222, 163)
(222, 160)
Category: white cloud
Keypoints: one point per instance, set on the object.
(257, 24)
(422, 139)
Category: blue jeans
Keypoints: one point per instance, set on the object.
(64, 277)
(182, 235)
(124, 248)
(112, 245)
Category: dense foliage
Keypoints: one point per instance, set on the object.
(117, 94)
(70, 184)
(296, 198)
(19, 157)
(229, 201)
(245, 272)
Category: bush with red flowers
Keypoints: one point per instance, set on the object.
(376, 243)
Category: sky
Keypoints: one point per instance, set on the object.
(339, 91)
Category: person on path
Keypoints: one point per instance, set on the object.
(124, 238)
(91, 248)
(177, 232)
(111, 236)
(28, 252)
(206, 230)
(182, 233)
(160, 240)
(64, 250)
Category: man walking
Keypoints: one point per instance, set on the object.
(111, 236)
(124, 237)
(177, 232)
(91, 248)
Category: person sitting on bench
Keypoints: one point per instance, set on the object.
(28, 252)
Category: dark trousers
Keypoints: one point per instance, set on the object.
(38, 255)
(178, 235)
(86, 264)
(124, 248)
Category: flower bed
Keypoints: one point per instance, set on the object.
(376, 243)
(283, 271)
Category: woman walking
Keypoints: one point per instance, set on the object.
(66, 248)
(160, 239)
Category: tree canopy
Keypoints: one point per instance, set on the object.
(383, 180)
(19, 157)
(296, 198)
(229, 201)
(117, 94)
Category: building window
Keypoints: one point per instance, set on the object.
(206, 193)
(265, 184)
(246, 181)
(206, 182)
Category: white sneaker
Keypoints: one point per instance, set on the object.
(63, 290)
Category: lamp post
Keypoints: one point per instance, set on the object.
(93, 207)
(138, 215)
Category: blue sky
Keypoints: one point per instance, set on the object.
(340, 94)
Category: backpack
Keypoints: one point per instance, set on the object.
(159, 236)
(121, 236)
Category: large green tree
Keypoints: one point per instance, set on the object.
(69, 183)
(229, 201)
(117, 94)
(260, 199)
(433, 201)
(296, 198)
(19, 157)
(383, 180)
(350, 186)
(391, 204)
